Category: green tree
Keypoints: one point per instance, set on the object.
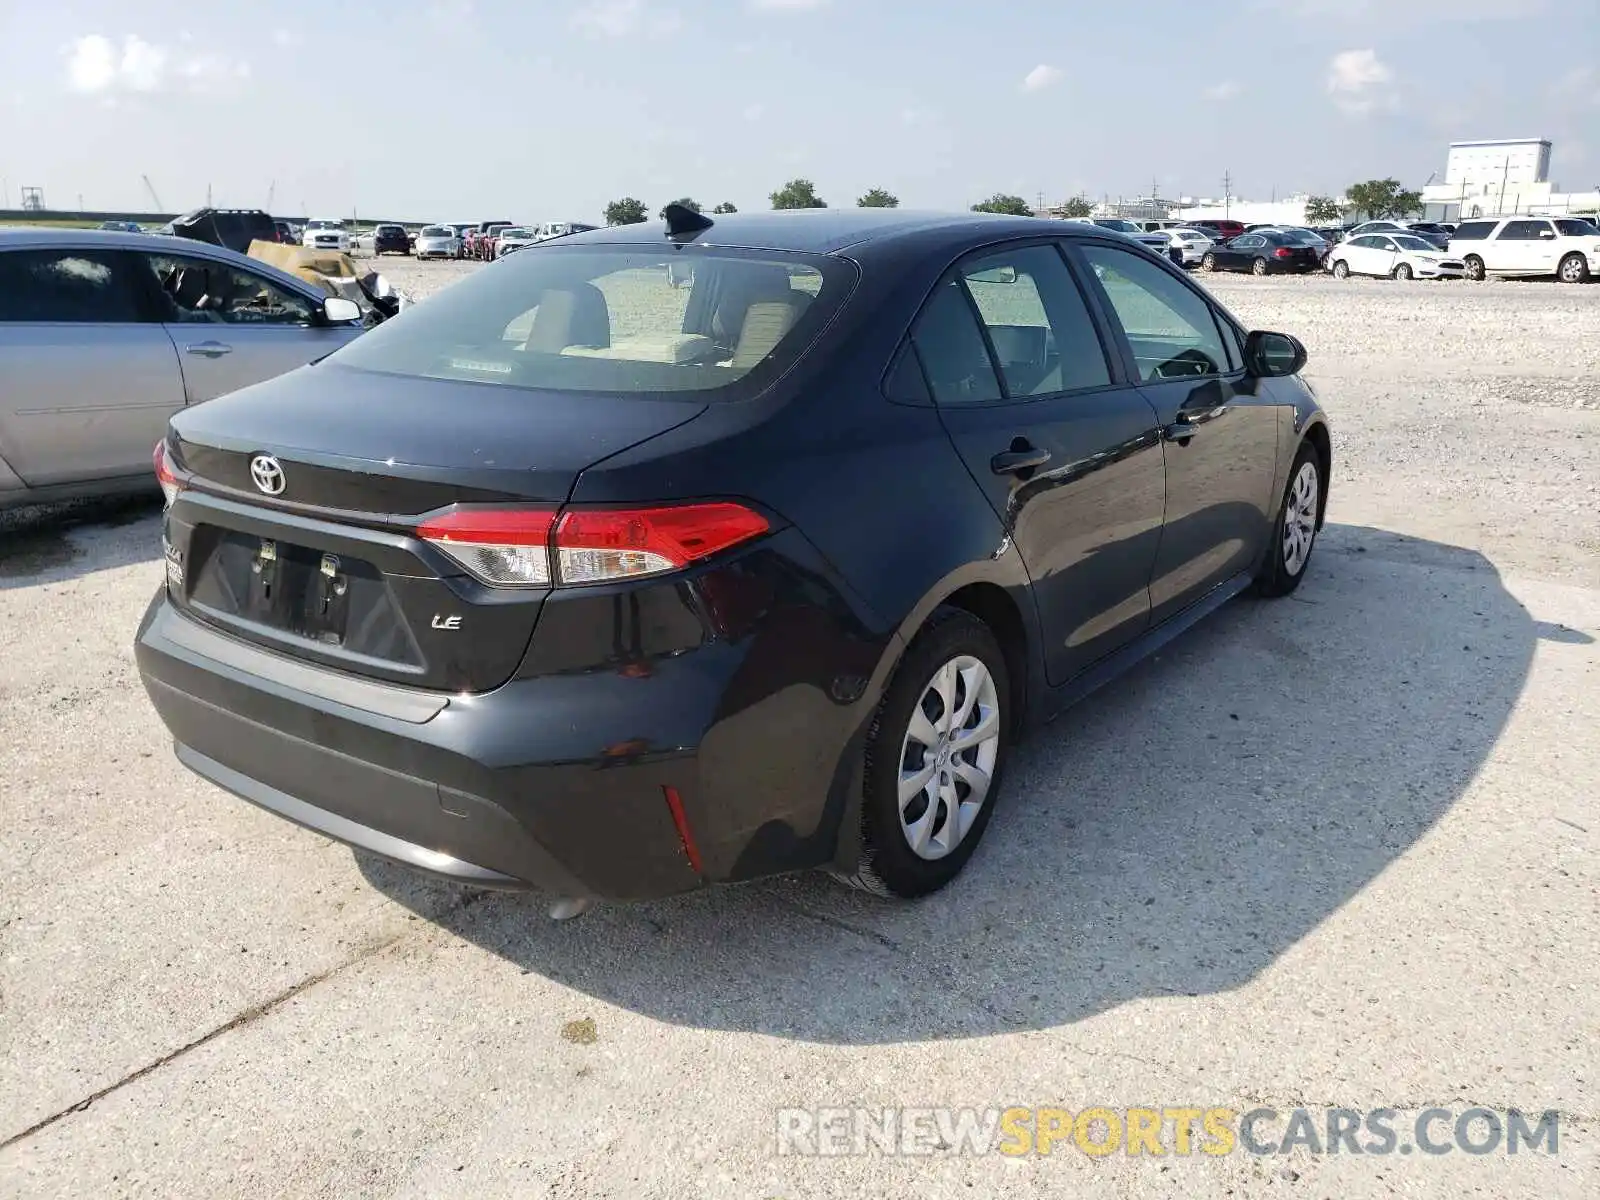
(1013, 206)
(798, 193)
(1383, 198)
(1077, 206)
(626, 211)
(1324, 210)
(724, 207)
(878, 198)
(691, 205)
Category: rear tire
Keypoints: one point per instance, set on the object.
(911, 847)
(1403, 271)
(1294, 533)
(1475, 271)
(1341, 269)
(1574, 268)
(1258, 267)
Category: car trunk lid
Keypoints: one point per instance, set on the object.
(296, 524)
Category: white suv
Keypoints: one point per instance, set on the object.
(1564, 247)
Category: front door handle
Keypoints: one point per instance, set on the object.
(209, 349)
(1179, 431)
(1021, 457)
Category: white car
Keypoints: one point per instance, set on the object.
(513, 238)
(1393, 255)
(1157, 243)
(555, 229)
(438, 241)
(1192, 244)
(326, 235)
(1564, 247)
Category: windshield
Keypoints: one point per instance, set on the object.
(1412, 242)
(1192, 235)
(1119, 225)
(616, 319)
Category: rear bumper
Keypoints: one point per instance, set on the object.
(557, 779)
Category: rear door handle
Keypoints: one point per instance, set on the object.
(1020, 458)
(209, 349)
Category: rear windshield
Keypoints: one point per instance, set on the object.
(616, 319)
(437, 231)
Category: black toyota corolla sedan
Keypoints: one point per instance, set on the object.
(691, 553)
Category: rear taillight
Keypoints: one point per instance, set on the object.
(171, 482)
(504, 547)
(1282, 252)
(535, 548)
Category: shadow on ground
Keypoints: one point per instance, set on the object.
(1174, 835)
(42, 542)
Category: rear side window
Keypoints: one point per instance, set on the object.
(1037, 322)
(1473, 231)
(952, 349)
(1572, 227)
(77, 286)
(617, 319)
(1170, 328)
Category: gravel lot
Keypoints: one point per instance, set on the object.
(1353, 861)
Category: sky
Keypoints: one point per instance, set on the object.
(456, 110)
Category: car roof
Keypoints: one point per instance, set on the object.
(108, 239)
(830, 230)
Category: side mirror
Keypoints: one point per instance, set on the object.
(1273, 355)
(336, 310)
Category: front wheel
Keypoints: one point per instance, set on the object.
(1341, 269)
(1259, 267)
(1574, 268)
(1209, 262)
(1295, 531)
(933, 759)
(1475, 269)
(1403, 271)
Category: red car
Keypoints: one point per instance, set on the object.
(1219, 230)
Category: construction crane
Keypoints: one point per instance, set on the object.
(154, 199)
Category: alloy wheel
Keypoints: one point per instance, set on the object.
(1341, 269)
(1259, 267)
(1574, 269)
(1209, 262)
(1300, 519)
(948, 757)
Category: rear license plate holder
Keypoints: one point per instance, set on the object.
(298, 590)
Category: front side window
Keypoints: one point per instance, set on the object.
(609, 319)
(1169, 327)
(1521, 231)
(1249, 241)
(202, 292)
(77, 286)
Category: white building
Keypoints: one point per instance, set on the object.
(1500, 176)
(1289, 211)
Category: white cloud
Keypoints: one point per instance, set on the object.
(1040, 78)
(787, 5)
(755, 112)
(92, 64)
(624, 18)
(95, 66)
(1226, 90)
(284, 38)
(1358, 81)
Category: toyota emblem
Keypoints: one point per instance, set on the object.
(267, 473)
